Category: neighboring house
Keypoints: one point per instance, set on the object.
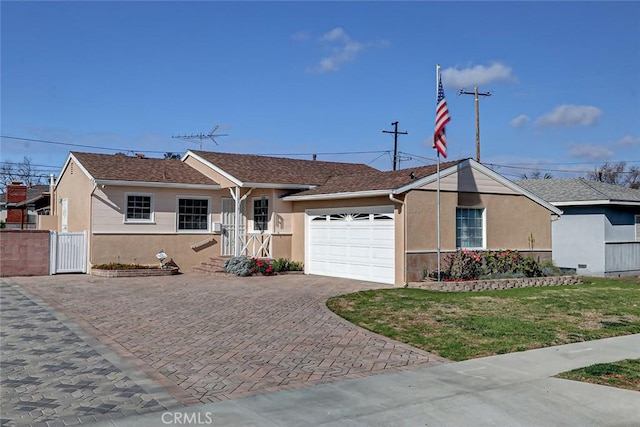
(20, 205)
(599, 232)
(340, 219)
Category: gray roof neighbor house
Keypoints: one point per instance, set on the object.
(577, 191)
(599, 231)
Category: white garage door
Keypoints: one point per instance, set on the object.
(350, 243)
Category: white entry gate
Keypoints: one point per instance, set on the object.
(68, 252)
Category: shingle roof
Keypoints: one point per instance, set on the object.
(280, 170)
(119, 167)
(375, 180)
(578, 190)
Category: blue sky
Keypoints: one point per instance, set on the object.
(324, 77)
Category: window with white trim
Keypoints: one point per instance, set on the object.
(260, 214)
(470, 228)
(193, 214)
(139, 207)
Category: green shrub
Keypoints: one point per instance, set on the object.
(283, 264)
(120, 266)
(295, 266)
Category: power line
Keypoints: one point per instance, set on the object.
(44, 141)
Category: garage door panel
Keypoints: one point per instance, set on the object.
(356, 246)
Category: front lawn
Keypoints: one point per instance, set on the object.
(622, 374)
(465, 325)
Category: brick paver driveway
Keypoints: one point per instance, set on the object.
(206, 338)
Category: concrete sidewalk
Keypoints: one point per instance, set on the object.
(514, 389)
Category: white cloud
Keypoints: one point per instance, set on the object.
(520, 121)
(337, 34)
(589, 152)
(300, 36)
(476, 76)
(342, 50)
(628, 141)
(571, 115)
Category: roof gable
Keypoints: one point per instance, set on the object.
(248, 169)
(119, 167)
(398, 182)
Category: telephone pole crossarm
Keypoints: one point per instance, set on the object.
(395, 133)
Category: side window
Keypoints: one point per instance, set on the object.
(193, 214)
(470, 228)
(139, 208)
(260, 214)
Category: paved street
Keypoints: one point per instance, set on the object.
(151, 343)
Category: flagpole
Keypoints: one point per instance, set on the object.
(438, 178)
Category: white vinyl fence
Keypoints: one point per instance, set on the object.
(68, 252)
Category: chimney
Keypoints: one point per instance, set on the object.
(16, 193)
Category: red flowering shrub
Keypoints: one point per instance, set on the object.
(467, 265)
(262, 267)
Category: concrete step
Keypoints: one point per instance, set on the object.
(214, 265)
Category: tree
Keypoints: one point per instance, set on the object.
(617, 174)
(172, 156)
(24, 172)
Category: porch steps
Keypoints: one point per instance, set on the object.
(214, 266)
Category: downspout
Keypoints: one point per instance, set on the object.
(51, 196)
(90, 231)
(404, 227)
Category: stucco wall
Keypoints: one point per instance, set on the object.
(75, 186)
(142, 248)
(510, 220)
(579, 240)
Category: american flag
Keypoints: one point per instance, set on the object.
(442, 118)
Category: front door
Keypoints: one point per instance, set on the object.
(229, 224)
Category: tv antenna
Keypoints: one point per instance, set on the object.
(202, 136)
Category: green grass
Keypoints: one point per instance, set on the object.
(466, 325)
(622, 374)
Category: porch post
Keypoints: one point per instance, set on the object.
(237, 246)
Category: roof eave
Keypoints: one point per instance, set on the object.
(277, 186)
(121, 183)
(332, 196)
(596, 203)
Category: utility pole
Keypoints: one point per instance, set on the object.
(395, 142)
(211, 135)
(476, 94)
